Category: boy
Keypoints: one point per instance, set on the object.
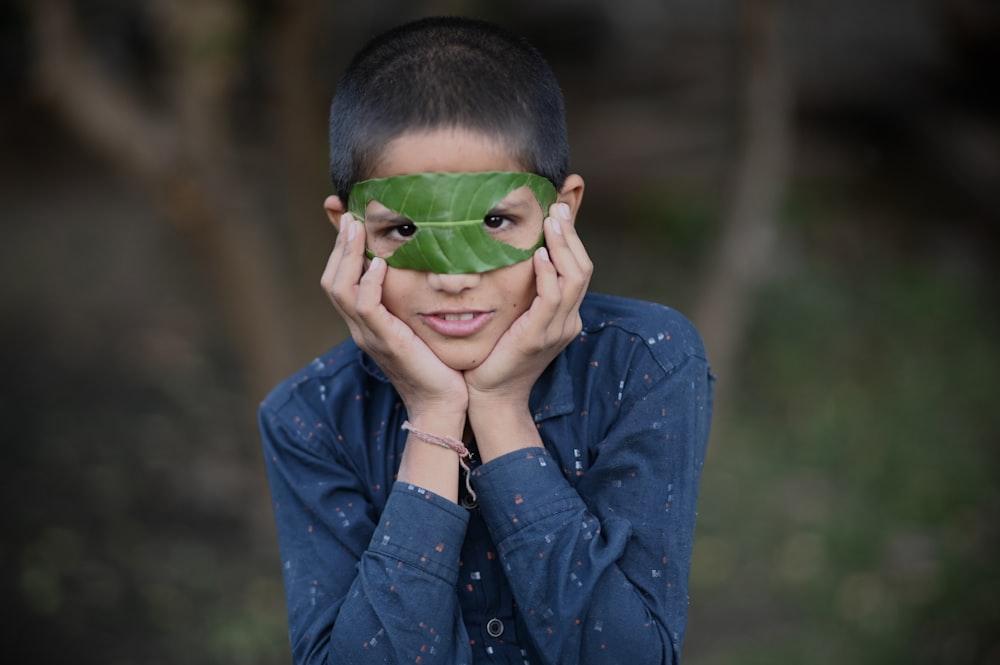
(497, 467)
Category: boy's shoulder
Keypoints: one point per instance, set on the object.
(667, 334)
(324, 381)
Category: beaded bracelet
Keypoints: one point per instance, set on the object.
(450, 443)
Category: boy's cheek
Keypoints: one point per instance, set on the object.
(395, 290)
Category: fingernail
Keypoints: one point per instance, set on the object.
(544, 253)
(562, 209)
(352, 229)
(555, 225)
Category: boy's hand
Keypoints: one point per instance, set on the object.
(425, 384)
(562, 273)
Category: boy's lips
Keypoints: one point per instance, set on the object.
(457, 323)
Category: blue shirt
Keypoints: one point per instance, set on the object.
(578, 553)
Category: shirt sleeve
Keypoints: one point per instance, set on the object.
(600, 570)
(361, 587)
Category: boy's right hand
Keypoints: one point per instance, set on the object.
(428, 387)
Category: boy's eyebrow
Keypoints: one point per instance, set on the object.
(515, 204)
(387, 217)
(509, 206)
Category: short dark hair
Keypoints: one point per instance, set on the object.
(447, 72)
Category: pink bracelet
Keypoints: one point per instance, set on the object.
(450, 443)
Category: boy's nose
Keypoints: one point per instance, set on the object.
(453, 283)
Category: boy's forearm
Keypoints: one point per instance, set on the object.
(405, 580)
(501, 426)
(609, 550)
(429, 466)
(565, 567)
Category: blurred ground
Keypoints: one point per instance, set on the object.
(849, 508)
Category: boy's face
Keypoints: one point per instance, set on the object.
(459, 316)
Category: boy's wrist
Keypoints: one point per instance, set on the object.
(427, 465)
(434, 411)
(511, 399)
(439, 421)
(501, 427)
(492, 409)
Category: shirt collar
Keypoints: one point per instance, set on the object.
(552, 394)
(372, 369)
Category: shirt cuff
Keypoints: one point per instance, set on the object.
(423, 530)
(521, 488)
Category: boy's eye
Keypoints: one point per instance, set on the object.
(495, 221)
(405, 230)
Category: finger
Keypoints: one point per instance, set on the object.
(544, 309)
(387, 338)
(574, 244)
(348, 268)
(369, 291)
(564, 213)
(374, 328)
(566, 321)
(326, 279)
(574, 268)
(354, 240)
(569, 258)
(567, 229)
(557, 241)
(340, 295)
(546, 276)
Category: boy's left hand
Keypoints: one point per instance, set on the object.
(562, 274)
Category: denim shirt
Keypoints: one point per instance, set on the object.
(578, 553)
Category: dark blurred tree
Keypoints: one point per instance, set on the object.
(177, 127)
(744, 255)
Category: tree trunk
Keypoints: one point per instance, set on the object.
(748, 246)
(182, 156)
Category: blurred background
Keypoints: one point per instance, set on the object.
(815, 183)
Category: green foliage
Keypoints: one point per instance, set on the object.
(122, 545)
(651, 244)
(849, 509)
(681, 223)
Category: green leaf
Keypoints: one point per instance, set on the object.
(448, 209)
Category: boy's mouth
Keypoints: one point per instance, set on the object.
(457, 324)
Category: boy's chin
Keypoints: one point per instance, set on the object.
(463, 355)
(461, 364)
(461, 360)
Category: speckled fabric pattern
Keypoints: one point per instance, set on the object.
(578, 553)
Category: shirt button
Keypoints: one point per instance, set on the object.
(494, 627)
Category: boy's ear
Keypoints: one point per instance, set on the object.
(572, 194)
(334, 210)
